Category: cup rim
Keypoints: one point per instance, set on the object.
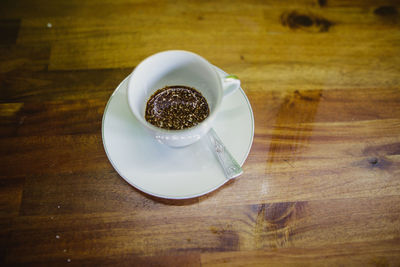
(209, 118)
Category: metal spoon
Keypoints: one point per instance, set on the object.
(230, 166)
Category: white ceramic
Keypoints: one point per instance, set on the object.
(178, 67)
(167, 172)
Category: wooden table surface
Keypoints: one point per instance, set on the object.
(321, 185)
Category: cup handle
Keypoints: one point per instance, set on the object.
(230, 83)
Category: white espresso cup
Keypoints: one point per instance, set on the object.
(177, 67)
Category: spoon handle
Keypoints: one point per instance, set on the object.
(231, 168)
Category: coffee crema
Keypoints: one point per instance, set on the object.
(176, 107)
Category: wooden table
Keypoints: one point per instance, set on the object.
(321, 185)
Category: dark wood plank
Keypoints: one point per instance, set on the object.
(61, 85)
(51, 194)
(51, 118)
(9, 29)
(324, 225)
(10, 197)
(65, 154)
(10, 201)
(185, 260)
(354, 254)
(23, 60)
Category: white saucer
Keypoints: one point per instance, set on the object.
(175, 173)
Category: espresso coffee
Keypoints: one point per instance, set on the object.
(176, 107)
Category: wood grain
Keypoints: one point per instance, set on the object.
(354, 254)
(321, 184)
